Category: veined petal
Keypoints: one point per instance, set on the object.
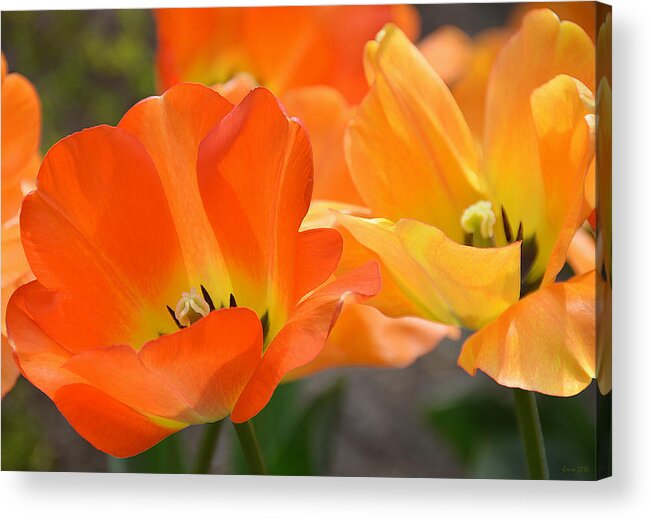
(325, 113)
(171, 127)
(364, 336)
(304, 335)
(545, 342)
(564, 128)
(541, 50)
(255, 178)
(409, 151)
(99, 236)
(447, 282)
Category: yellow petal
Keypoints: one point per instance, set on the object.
(446, 282)
(545, 342)
(581, 253)
(563, 114)
(541, 50)
(409, 149)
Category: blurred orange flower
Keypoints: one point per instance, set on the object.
(415, 162)
(311, 57)
(21, 137)
(173, 285)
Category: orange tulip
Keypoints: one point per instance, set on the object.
(173, 286)
(415, 162)
(281, 47)
(21, 136)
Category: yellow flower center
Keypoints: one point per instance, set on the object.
(478, 220)
(191, 308)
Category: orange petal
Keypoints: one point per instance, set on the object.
(446, 282)
(565, 129)
(581, 13)
(317, 256)
(364, 336)
(325, 113)
(304, 336)
(282, 47)
(255, 177)
(194, 375)
(545, 342)
(21, 121)
(582, 252)
(98, 234)
(171, 127)
(409, 150)
(541, 50)
(10, 371)
(107, 424)
(236, 88)
(15, 269)
(449, 51)
(470, 90)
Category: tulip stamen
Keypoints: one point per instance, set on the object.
(478, 220)
(191, 308)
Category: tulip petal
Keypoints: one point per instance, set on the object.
(541, 50)
(10, 371)
(364, 336)
(317, 256)
(447, 282)
(193, 376)
(582, 254)
(545, 342)
(304, 335)
(98, 234)
(255, 178)
(21, 121)
(325, 113)
(409, 150)
(564, 130)
(171, 127)
(107, 424)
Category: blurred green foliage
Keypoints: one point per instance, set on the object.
(483, 430)
(89, 67)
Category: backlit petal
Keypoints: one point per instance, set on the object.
(10, 371)
(171, 127)
(255, 177)
(541, 50)
(447, 282)
(409, 150)
(99, 236)
(449, 50)
(545, 342)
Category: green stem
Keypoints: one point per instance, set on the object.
(207, 447)
(250, 448)
(532, 436)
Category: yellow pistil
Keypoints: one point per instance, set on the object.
(478, 221)
(191, 308)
